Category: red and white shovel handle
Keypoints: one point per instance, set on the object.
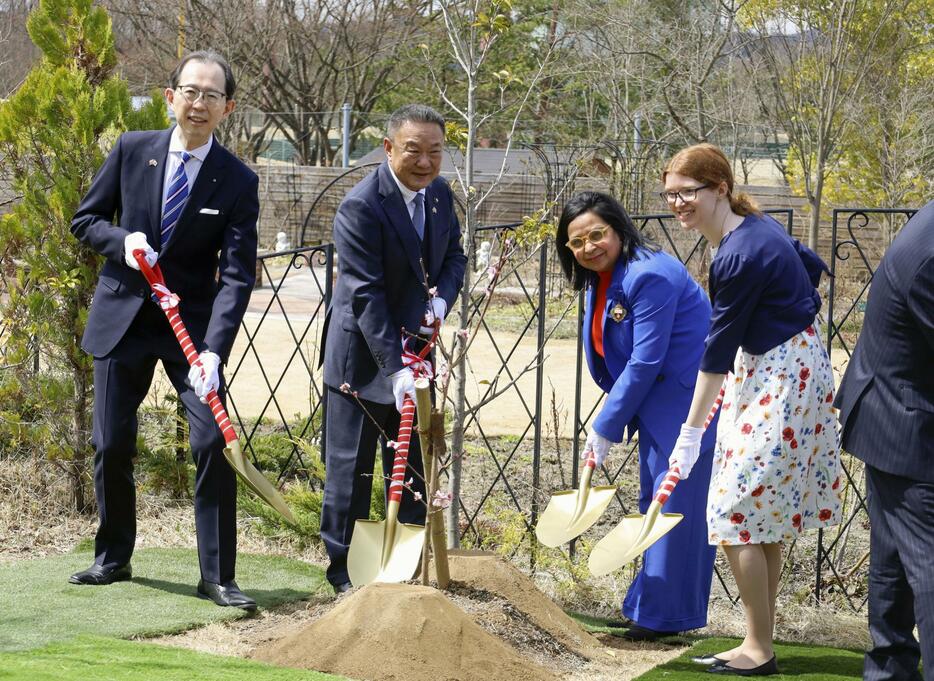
(397, 484)
(667, 485)
(168, 302)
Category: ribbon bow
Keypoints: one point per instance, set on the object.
(164, 297)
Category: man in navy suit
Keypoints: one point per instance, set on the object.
(392, 230)
(181, 198)
(886, 403)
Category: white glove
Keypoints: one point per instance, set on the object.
(597, 444)
(436, 309)
(403, 383)
(205, 378)
(687, 450)
(135, 241)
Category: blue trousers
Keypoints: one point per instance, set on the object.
(671, 591)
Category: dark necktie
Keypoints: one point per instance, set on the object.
(175, 200)
(418, 217)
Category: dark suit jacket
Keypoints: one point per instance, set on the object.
(209, 261)
(380, 284)
(886, 399)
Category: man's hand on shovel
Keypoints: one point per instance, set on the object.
(204, 376)
(403, 384)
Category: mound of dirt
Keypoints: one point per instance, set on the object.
(400, 631)
(486, 572)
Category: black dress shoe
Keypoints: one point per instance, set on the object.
(765, 669)
(637, 633)
(342, 587)
(226, 594)
(708, 660)
(98, 575)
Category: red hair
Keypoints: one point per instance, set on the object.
(707, 164)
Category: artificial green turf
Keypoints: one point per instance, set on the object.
(40, 606)
(93, 658)
(795, 661)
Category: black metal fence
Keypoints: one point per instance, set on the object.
(518, 452)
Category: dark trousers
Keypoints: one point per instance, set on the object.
(121, 381)
(901, 577)
(350, 453)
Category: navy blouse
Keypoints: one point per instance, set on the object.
(763, 291)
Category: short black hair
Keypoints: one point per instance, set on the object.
(208, 57)
(417, 113)
(613, 214)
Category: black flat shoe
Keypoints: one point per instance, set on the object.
(637, 633)
(98, 575)
(708, 660)
(765, 669)
(227, 594)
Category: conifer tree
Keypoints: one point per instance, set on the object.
(54, 133)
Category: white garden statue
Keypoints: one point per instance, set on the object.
(282, 242)
(482, 258)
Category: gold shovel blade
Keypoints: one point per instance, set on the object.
(628, 540)
(384, 551)
(255, 480)
(568, 515)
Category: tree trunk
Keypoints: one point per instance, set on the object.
(460, 371)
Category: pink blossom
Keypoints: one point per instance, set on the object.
(417, 495)
(392, 444)
(492, 271)
(463, 333)
(441, 499)
(433, 292)
(345, 388)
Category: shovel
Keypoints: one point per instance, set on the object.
(570, 513)
(387, 550)
(255, 480)
(635, 532)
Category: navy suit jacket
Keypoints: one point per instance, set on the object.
(380, 285)
(652, 354)
(209, 261)
(886, 398)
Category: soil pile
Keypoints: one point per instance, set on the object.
(480, 571)
(400, 631)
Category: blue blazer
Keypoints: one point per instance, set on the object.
(209, 261)
(381, 286)
(886, 398)
(652, 354)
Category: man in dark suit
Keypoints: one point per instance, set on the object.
(886, 403)
(183, 199)
(391, 230)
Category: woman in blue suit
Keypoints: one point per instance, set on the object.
(644, 329)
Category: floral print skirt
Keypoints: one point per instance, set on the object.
(776, 468)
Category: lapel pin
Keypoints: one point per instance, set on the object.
(153, 162)
(436, 199)
(434, 210)
(618, 313)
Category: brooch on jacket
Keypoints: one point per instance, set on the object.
(618, 312)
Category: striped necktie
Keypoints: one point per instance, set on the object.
(418, 216)
(175, 200)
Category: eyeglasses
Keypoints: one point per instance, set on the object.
(192, 94)
(686, 195)
(594, 236)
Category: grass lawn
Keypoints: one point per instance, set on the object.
(797, 661)
(800, 661)
(40, 606)
(92, 658)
